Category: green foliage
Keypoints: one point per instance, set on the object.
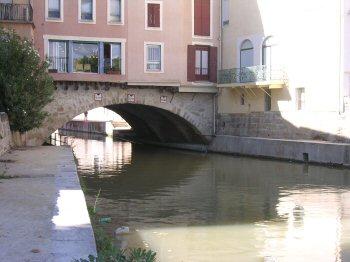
(25, 85)
(107, 252)
(141, 255)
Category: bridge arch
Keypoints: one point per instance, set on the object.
(157, 114)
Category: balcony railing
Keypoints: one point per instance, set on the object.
(260, 73)
(112, 69)
(16, 12)
(58, 64)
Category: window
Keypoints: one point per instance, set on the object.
(85, 57)
(58, 56)
(154, 58)
(201, 17)
(115, 11)
(87, 10)
(246, 54)
(153, 15)
(54, 9)
(267, 51)
(225, 12)
(202, 63)
(112, 58)
(300, 98)
(267, 100)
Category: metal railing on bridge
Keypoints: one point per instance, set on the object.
(259, 73)
(16, 12)
(58, 64)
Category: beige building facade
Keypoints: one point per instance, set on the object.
(282, 73)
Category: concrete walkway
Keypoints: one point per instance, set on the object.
(43, 214)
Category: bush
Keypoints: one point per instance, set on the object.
(107, 252)
(25, 85)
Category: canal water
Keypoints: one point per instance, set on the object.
(190, 206)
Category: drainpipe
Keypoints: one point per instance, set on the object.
(341, 59)
(220, 67)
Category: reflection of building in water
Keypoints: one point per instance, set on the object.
(92, 153)
(308, 230)
(242, 208)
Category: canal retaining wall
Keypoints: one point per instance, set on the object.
(295, 150)
(5, 134)
(97, 127)
(296, 125)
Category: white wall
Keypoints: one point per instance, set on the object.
(308, 34)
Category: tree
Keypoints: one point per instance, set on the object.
(25, 85)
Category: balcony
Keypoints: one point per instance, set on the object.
(22, 13)
(58, 64)
(252, 76)
(112, 67)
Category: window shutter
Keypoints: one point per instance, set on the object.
(191, 58)
(198, 17)
(153, 13)
(202, 17)
(205, 18)
(156, 13)
(150, 15)
(213, 62)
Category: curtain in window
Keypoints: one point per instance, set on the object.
(202, 62)
(86, 9)
(154, 57)
(115, 10)
(58, 55)
(54, 8)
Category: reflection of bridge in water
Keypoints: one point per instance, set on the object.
(215, 202)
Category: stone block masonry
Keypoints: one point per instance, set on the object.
(300, 125)
(5, 134)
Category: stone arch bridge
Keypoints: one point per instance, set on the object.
(157, 114)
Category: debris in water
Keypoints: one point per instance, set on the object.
(35, 250)
(122, 230)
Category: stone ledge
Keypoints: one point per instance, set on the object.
(296, 150)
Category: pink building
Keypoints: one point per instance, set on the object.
(138, 42)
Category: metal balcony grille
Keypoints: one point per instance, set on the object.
(250, 74)
(16, 12)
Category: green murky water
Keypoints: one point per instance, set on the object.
(208, 207)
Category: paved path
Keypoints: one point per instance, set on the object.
(43, 215)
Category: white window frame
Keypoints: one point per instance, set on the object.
(48, 19)
(161, 44)
(109, 22)
(93, 21)
(87, 39)
(297, 101)
(211, 22)
(160, 28)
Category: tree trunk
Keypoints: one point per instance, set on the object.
(19, 139)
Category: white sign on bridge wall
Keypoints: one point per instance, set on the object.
(131, 98)
(98, 96)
